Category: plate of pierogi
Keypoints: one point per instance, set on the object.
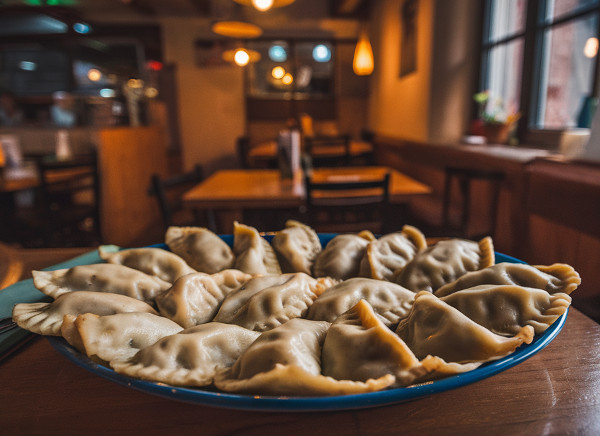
(298, 321)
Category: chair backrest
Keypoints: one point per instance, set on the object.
(347, 205)
(242, 149)
(70, 192)
(168, 191)
(328, 150)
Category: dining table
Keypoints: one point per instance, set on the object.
(229, 192)
(555, 391)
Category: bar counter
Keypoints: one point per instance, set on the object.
(557, 391)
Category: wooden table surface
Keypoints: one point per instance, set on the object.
(557, 391)
(264, 188)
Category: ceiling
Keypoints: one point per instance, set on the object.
(119, 11)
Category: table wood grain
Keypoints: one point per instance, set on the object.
(557, 391)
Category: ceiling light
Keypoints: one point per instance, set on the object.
(241, 56)
(363, 62)
(265, 5)
(236, 29)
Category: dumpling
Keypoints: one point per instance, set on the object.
(153, 261)
(253, 254)
(191, 357)
(388, 254)
(195, 298)
(358, 346)
(118, 336)
(341, 258)
(100, 277)
(445, 262)
(506, 309)
(265, 302)
(389, 300)
(296, 247)
(202, 249)
(553, 279)
(47, 318)
(286, 361)
(435, 328)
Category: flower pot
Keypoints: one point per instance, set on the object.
(496, 133)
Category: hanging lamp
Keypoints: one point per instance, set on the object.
(363, 63)
(241, 56)
(265, 5)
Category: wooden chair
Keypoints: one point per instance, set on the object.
(168, 192)
(347, 206)
(68, 204)
(328, 150)
(464, 177)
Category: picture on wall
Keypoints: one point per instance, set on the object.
(408, 43)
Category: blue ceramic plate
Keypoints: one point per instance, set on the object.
(215, 398)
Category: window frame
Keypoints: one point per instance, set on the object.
(533, 36)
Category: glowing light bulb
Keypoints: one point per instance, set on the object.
(94, 74)
(591, 48)
(241, 58)
(287, 79)
(262, 5)
(278, 72)
(363, 63)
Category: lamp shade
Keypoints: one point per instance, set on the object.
(363, 63)
(265, 5)
(236, 29)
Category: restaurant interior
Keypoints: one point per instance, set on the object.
(463, 118)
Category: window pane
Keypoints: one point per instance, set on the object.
(506, 18)
(266, 77)
(505, 64)
(558, 8)
(314, 67)
(567, 73)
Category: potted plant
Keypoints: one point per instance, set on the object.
(493, 121)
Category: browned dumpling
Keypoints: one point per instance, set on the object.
(195, 298)
(340, 259)
(389, 300)
(202, 249)
(253, 254)
(119, 336)
(192, 357)
(47, 318)
(296, 247)
(100, 277)
(266, 302)
(286, 361)
(150, 260)
(557, 278)
(388, 254)
(445, 262)
(506, 309)
(358, 346)
(435, 328)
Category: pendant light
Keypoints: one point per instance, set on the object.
(363, 62)
(265, 5)
(241, 56)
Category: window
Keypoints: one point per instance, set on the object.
(291, 69)
(540, 57)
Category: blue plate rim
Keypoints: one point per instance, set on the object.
(207, 397)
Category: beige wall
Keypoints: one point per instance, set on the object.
(433, 103)
(211, 109)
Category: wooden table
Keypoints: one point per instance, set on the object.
(557, 391)
(230, 191)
